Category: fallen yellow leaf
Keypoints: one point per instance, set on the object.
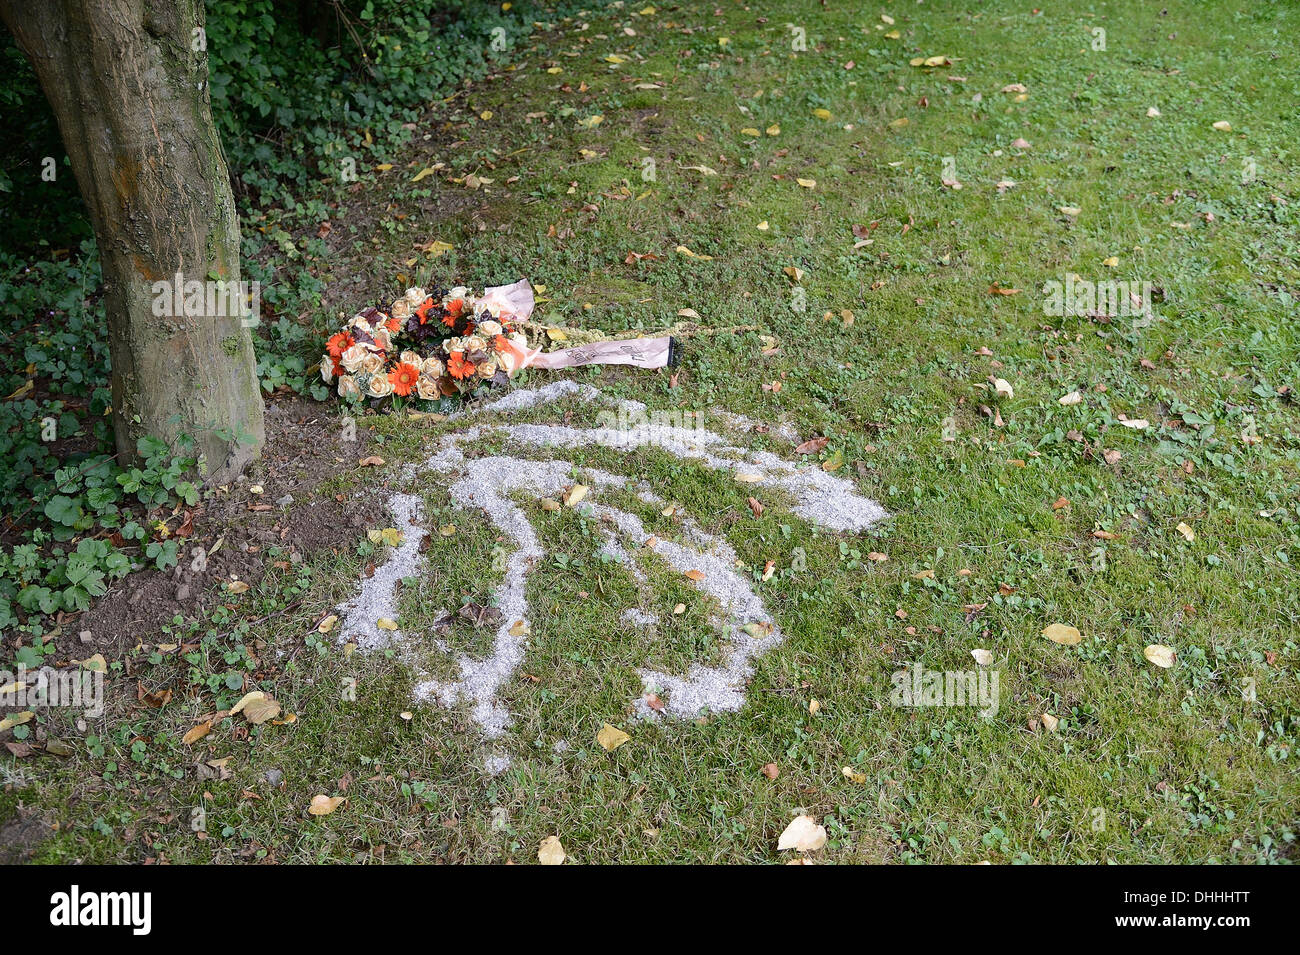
(1161, 655)
(803, 834)
(611, 738)
(15, 719)
(551, 852)
(324, 805)
(1063, 634)
(682, 250)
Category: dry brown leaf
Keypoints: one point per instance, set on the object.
(197, 733)
(812, 446)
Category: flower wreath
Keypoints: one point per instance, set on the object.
(431, 345)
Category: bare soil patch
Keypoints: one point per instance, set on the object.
(287, 521)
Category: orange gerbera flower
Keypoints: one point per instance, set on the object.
(403, 378)
(458, 367)
(456, 306)
(394, 325)
(422, 313)
(338, 344)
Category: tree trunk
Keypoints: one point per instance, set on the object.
(128, 82)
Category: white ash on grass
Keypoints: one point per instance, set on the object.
(489, 483)
(638, 617)
(704, 688)
(821, 498)
(496, 764)
(377, 598)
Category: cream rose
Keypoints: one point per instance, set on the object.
(410, 358)
(400, 309)
(453, 344)
(427, 388)
(433, 367)
(379, 387)
(416, 296)
(326, 368)
(507, 362)
(490, 329)
(486, 369)
(373, 364)
(354, 357)
(474, 343)
(382, 338)
(348, 387)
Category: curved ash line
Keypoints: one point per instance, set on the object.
(488, 483)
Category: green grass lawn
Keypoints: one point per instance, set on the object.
(642, 128)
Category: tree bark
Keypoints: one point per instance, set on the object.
(128, 83)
